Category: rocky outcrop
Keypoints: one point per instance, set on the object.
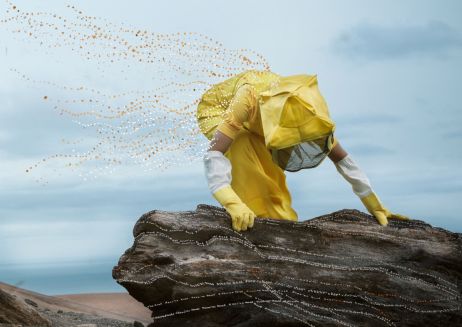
(342, 269)
(16, 312)
(26, 308)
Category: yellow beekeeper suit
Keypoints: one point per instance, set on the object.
(266, 114)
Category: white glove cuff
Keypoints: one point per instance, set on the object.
(348, 168)
(217, 170)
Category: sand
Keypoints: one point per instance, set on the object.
(120, 303)
(91, 306)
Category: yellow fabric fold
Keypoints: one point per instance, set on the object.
(288, 112)
(258, 182)
(284, 110)
(293, 112)
(241, 109)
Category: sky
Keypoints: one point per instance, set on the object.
(389, 71)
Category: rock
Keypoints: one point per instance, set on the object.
(15, 312)
(137, 324)
(30, 302)
(192, 269)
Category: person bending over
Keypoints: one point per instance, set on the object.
(261, 124)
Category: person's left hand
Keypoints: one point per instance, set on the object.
(376, 208)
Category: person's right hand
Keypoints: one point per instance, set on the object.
(241, 215)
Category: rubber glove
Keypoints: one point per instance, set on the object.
(242, 217)
(361, 186)
(376, 208)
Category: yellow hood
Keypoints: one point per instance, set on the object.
(294, 111)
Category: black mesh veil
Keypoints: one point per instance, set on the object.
(308, 154)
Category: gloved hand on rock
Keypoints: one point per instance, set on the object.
(361, 186)
(218, 173)
(376, 208)
(241, 216)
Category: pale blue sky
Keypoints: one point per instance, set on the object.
(391, 73)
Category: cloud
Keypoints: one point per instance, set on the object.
(368, 119)
(30, 127)
(455, 135)
(369, 149)
(117, 197)
(375, 42)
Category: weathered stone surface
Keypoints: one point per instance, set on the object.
(342, 269)
(15, 312)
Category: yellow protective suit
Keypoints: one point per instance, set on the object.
(264, 113)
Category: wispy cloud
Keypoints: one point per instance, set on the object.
(376, 42)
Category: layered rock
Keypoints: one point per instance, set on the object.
(342, 269)
(16, 312)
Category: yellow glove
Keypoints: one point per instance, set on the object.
(376, 208)
(242, 217)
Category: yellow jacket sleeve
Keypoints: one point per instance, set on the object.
(242, 108)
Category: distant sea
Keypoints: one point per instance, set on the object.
(62, 278)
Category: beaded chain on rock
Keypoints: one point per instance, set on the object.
(151, 129)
